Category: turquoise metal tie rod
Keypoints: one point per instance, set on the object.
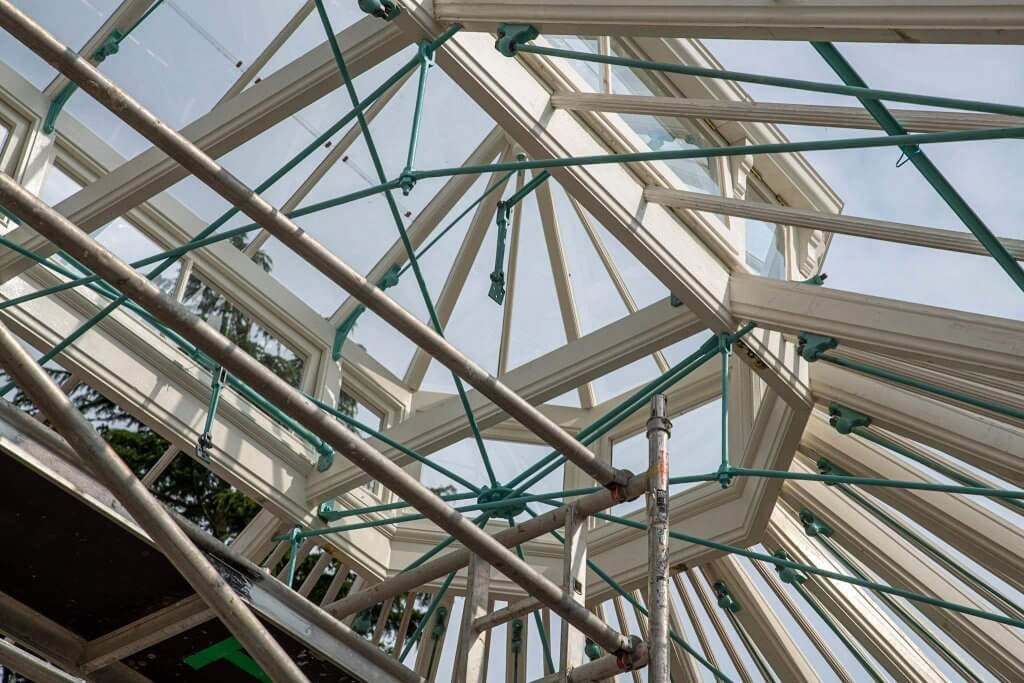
(925, 166)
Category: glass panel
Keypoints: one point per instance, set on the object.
(250, 336)
(58, 186)
(119, 236)
(72, 21)
(766, 243)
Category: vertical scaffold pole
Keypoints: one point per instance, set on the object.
(471, 663)
(658, 430)
(574, 578)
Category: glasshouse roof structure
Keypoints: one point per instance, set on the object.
(491, 342)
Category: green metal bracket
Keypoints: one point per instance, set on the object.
(108, 47)
(497, 290)
(498, 493)
(592, 650)
(387, 281)
(724, 476)
(326, 457)
(846, 419)
(788, 574)
(816, 280)
(363, 622)
(439, 626)
(382, 9)
(725, 599)
(812, 346)
(516, 643)
(511, 36)
(828, 468)
(206, 438)
(813, 525)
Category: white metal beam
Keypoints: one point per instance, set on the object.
(996, 646)
(225, 127)
(926, 333)
(901, 233)
(987, 444)
(551, 375)
(914, 120)
(855, 612)
(876, 21)
(520, 104)
(960, 521)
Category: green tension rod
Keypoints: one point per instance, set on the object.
(925, 166)
(517, 43)
(423, 51)
(108, 47)
(828, 574)
(497, 290)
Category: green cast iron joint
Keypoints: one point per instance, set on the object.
(813, 346)
(845, 420)
(388, 280)
(592, 650)
(816, 280)
(724, 598)
(489, 496)
(439, 626)
(814, 526)
(511, 36)
(788, 575)
(517, 636)
(382, 9)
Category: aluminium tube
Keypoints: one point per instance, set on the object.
(238, 363)
(144, 508)
(457, 559)
(23, 662)
(658, 430)
(606, 667)
(207, 170)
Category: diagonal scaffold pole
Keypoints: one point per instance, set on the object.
(146, 510)
(215, 176)
(238, 363)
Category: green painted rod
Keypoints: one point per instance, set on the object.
(414, 517)
(792, 83)
(923, 386)
(906, 616)
(885, 483)
(925, 166)
(809, 569)
(617, 587)
(929, 463)
(734, 150)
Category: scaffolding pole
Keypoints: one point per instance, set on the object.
(217, 178)
(145, 509)
(239, 364)
(658, 430)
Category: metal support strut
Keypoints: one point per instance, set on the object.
(658, 430)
